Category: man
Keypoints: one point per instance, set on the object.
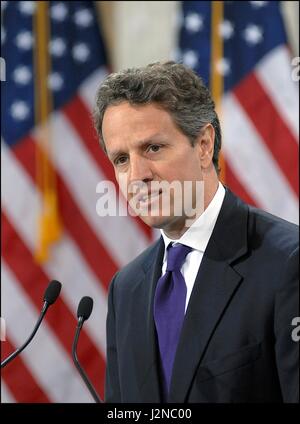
(205, 313)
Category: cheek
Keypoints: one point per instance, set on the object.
(181, 171)
(122, 180)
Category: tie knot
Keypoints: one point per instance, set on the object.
(176, 256)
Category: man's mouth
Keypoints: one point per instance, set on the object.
(145, 198)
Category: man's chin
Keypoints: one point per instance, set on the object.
(163, 222)
(158, 222)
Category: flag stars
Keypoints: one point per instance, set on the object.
(27, 7)
(57, 47)
(253, 34)
(59, 12)
(223, 66)
(226, 30)
(24, 40)
(190, 58)
(83, 18)
(55, 81)
(258, 4)
(22, 75)
(81, 52)
(19, 110)
(193, 22)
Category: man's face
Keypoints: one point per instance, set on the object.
(145, 146)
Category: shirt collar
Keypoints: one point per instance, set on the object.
(198, 235)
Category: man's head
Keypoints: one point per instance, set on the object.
(159, 123)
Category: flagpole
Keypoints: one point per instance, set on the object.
(216, 77)
(49, 228)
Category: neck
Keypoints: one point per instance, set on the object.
(176, 230)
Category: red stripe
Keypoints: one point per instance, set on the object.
(18, 378)
(80, 118)
(88, 243)
(34, 281)
(235, 185)
(271, 126)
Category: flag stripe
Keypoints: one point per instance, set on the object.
(27, 389)
(275, 74)
(6, 394)
(270, 126)
(89, 87)
(235, 185)
(78, 115)
(91, 247)
(254, 165)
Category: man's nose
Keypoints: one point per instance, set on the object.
(139, 169)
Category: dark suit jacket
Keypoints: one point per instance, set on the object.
(236, 343)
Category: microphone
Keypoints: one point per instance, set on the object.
(83, 313)
(50, 296)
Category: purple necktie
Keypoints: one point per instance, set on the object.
(169, 307)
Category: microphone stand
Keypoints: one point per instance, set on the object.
(77, 364)
(14, 354)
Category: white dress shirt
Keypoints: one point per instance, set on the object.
(196, 237)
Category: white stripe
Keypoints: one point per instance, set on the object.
(253, 164)
(120, 235)
(78, 281)
(275, 74)
(66, 264)
(90, 86)
(6, 395)
(47, 361)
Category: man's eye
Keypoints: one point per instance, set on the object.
(121, 160)
(154, 148)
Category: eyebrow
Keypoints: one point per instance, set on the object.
(141, 143)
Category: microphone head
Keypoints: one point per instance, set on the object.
(52, 292)
(85, 308)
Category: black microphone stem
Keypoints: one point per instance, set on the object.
(76, 362)
(14, 354)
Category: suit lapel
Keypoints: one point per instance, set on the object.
(215, 285)
(145, 351)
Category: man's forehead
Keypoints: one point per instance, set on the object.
(132, 112)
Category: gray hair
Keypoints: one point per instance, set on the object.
(176, 88)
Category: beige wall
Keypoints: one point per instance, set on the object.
(290, 11)
(140, 32)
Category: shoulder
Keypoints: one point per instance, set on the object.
(273, 245)
(267, 246)
(242, 230)
(271, 232)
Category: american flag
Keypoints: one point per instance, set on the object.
(260, 149)
(259, 106)
(90, 249)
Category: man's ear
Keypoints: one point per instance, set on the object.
(205, 143)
